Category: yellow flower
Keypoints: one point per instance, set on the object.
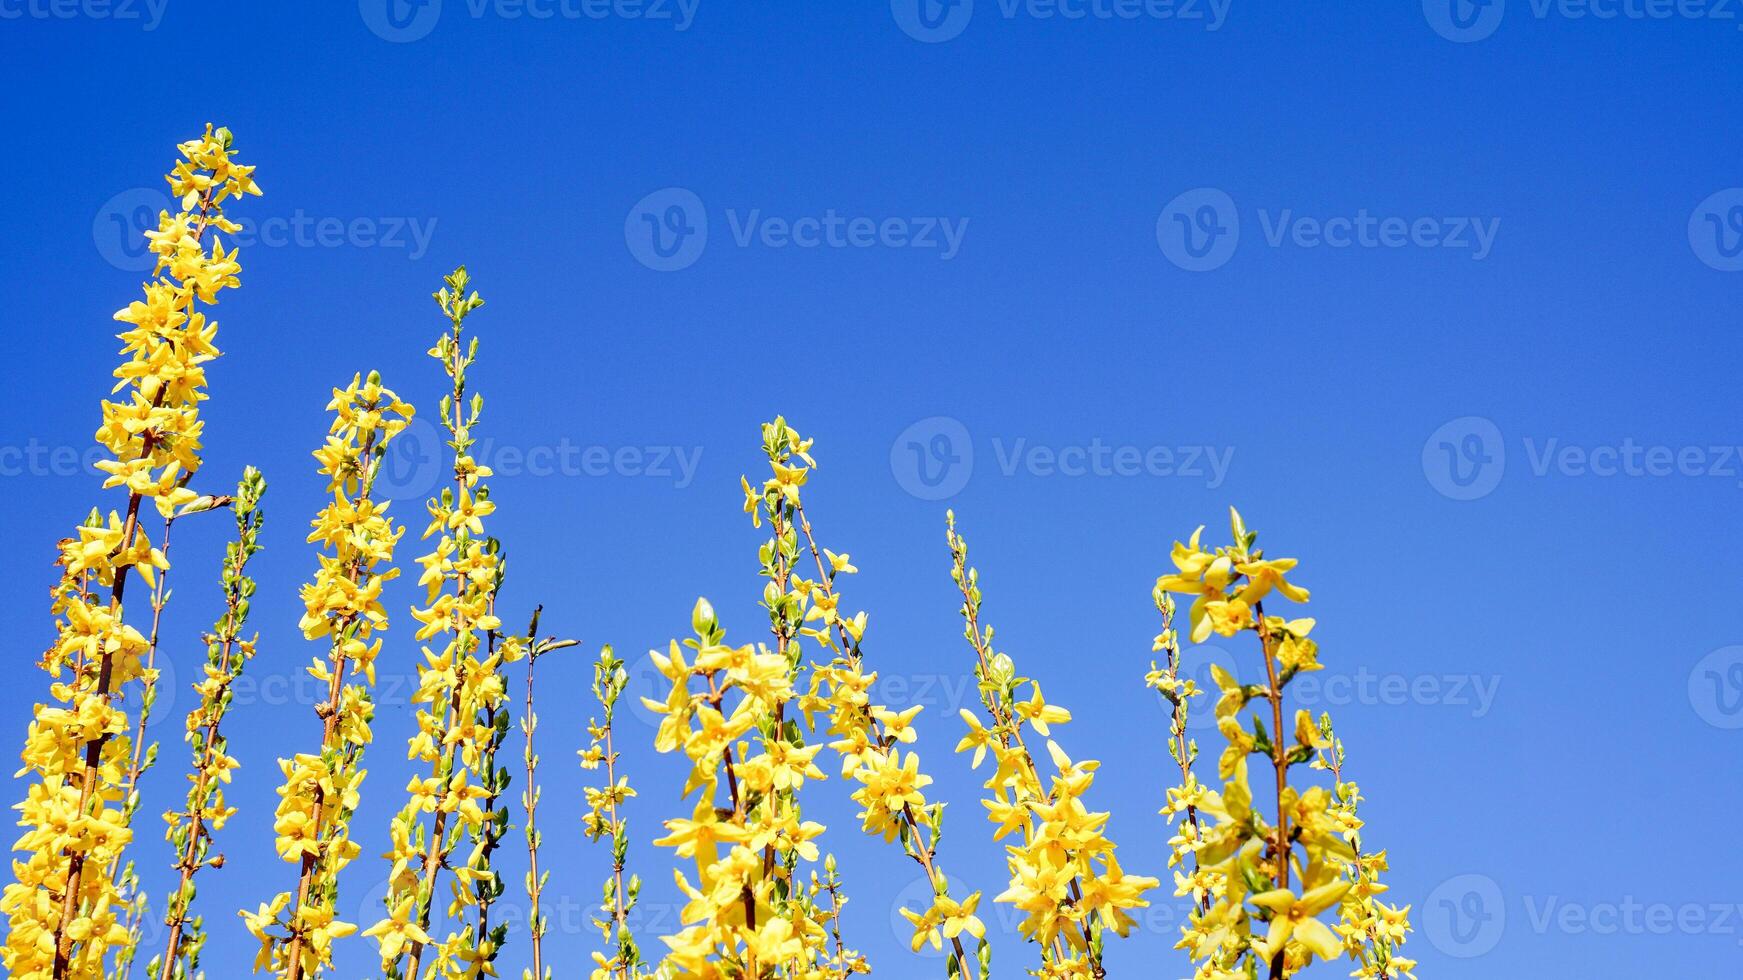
(1293, 917)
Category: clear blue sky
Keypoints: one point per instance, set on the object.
(1539, 684)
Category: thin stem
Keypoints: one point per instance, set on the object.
(197, 832)
(531, 798)
(1279, 756)
(620, 911)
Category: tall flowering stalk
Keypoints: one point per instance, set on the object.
(605, 819)
(343, 605)
(1263, 884)
(749, 914)
(868, 736)
(227, 653)
(61, 907)
(462, 690)
(1065, 878)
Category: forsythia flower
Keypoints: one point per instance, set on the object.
(1065, 878)
(749, 913)
(462, 721)
(891, 787)
(61, 907)
(1248, 916)
(343, 604)
(868, 736)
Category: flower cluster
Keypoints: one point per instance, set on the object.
(461, 690)
(1065, 878)
(62, 906)
(867, 737)
(604, 819)
(1260, 887)
(750, 914)
(227, 652)
(343, 605)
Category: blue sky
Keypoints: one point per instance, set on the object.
(1442, 297)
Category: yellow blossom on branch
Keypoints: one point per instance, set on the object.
(62, 905)
(1262, 888)
(461, 717)
(342, 605)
